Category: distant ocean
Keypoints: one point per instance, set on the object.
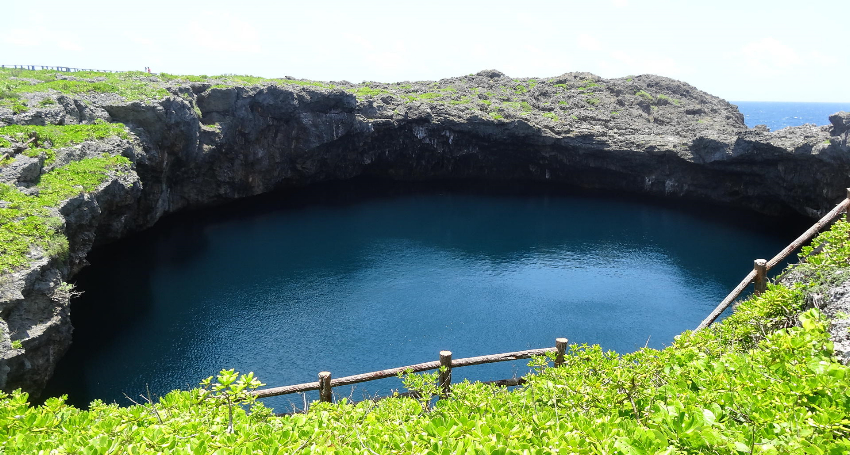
(778, 115)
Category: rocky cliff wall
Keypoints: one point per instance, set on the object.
(207, 143)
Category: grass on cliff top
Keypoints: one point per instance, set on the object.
(763, 381)
(27, 222)
(131, 85)
(52, 137)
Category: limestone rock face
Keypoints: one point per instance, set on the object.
(837, 307)
(840, 123)
(207, 144)
(35, 302)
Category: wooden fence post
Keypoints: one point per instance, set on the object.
(760, 266)
(446, 373)
(561, 346)
(847, 211)
(325, 392)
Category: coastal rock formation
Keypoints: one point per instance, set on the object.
(210, 142)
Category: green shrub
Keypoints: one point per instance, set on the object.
(26, 222)
(369, 91)
(645, 95)
(52, 137)
(130, 85)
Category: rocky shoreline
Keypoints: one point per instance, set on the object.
(208, 142)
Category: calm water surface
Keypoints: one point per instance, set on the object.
(352, 280)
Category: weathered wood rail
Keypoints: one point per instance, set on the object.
(758, 276)
(66, 69)
(325, 384)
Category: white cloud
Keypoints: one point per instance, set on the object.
(222, 33)
(147, 42)
(588, 42)
(69, 45)
(819, 58)
(769, 54)
(385, 56)
(647, 64)
(42, 36)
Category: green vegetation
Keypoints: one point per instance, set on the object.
(522, 105)
(26, 220)
(592, 101)
(304, 83)
(588, 84)
(666, 98)
(19, 106)
(369, 91)
(428, 96)
(463, 100)
(181, 78)
(51, 137)
(17, 344)
(762, 381)
(496, 116)
(645, 95)
(551, 115)
(132, 85)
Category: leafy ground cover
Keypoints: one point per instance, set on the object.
(764, 380)
(49, 138)
(26, 220)
(131, 85)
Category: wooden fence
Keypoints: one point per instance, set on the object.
(66, 69)
(325, 384)
(758, 276)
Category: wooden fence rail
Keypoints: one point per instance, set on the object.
(66, 69)
(325, 384)
(758, 276)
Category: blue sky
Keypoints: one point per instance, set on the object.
(739, 50)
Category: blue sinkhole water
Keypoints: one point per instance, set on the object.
(360, 276)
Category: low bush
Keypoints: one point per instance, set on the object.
(26, 221)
